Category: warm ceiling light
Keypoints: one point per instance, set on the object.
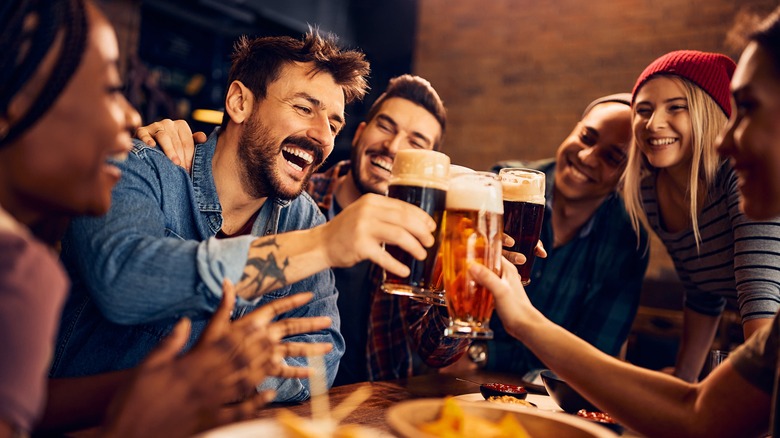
(207, 116)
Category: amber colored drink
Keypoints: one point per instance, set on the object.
(419, 177)
(523, 213)
(471, 233)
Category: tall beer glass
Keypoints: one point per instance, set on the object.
(436, 295)
(419, 177)
(471, 233)
(523, 213)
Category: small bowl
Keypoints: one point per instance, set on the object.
(499, 389)
(614, 427)
(564, 395)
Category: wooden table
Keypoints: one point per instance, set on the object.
(386, 394)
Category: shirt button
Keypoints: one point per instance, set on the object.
(267, 232)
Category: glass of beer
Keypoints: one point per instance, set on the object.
(523, 213)
(436, 295)
(419, 177)
(471, 233)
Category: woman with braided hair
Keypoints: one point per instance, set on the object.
(58, 70)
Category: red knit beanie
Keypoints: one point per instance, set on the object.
(710, 71)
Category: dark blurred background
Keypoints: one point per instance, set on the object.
(177, 52)
(515, 76)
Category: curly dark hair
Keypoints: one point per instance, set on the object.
(257, 62)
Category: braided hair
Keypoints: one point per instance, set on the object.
(28, 29)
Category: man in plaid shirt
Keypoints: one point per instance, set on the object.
(384, 332)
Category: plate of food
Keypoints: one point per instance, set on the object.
(292, 426)
(426, 418)
(543, 402)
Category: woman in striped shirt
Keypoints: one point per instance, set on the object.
(676, 184)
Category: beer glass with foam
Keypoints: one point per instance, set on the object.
(419, 177)
(471, 233)
(523, 213)
(436, 295)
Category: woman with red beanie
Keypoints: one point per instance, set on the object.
(676, 184)
(736, 399)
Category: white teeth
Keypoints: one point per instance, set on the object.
(295, 166)
(300, 153)
(661, 141)
(383, 163)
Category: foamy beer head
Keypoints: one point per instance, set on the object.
(457, 170)
(523, 185)
(477, 191)
(420, 167)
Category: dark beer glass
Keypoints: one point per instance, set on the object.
(523, 213)
(471, 233)
(419, 177)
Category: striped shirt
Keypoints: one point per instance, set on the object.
(738, 260)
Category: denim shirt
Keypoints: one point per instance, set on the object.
(154, 259)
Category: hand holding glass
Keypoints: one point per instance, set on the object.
(419, 177)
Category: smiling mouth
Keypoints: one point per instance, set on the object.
(577, 173)
(297, 158)
(660, 142)
(382, 162)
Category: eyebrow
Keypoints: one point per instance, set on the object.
(671, 99)
(415, 134)
(318, 103)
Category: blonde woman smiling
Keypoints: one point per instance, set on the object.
(676, 184)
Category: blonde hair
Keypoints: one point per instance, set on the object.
(707, 120)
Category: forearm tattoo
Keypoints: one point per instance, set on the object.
(263, 273)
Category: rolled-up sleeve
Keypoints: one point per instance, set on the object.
(137, 268)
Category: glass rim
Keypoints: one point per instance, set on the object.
(523, 169)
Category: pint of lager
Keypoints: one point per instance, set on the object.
(523, 213)
(436, 295)
(419, 177)
(471, 233)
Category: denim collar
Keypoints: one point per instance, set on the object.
(206, 192)
(203, 177)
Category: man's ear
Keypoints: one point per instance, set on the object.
(238, 102)
(358, 133)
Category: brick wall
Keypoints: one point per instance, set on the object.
(515, 74)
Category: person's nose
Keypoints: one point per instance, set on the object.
(319, 130)
(656, 121)
(393, 143)
(588, 156)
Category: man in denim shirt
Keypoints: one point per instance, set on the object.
(170, 237)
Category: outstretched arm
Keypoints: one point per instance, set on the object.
(698, 334)
(652, 403)
(134, 247)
